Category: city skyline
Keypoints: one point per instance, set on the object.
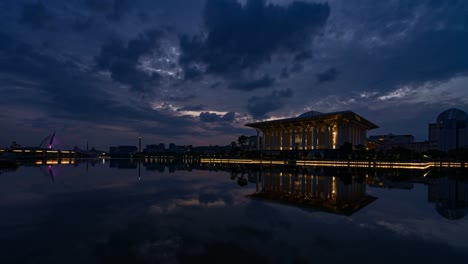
(194, 73)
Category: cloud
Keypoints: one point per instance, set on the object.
(122, 60)
(34, 14)
(328, 75)
(250, 85)
(115, 9)
(238, 38)
(119, 9)
(99, 5)
(83, 24)
(191, 108)
(63, 95)
(259, 106)
(212, 117)
(431, 55)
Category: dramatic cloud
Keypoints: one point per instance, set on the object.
(212, 117)
(191, 108)
(249, 85)
(170, 70)
(240, 38)
(328, 75)
(123, 60)
(259, 106)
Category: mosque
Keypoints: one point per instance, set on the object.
(312, 131)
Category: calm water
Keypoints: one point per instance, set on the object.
(122, 212)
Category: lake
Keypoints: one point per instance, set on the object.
(122, 211)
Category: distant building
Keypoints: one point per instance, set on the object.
(172, 147)
(155, 148)
(123, 151)
(389, 141)
(433, 132)
(392, 139)
(450, 130)
(313, 130)
(211, 149)
(422, 146)
(183, 149)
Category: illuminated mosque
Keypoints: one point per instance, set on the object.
(313, 131)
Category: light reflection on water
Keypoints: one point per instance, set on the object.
(122, 211)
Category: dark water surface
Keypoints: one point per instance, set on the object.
(122, 212)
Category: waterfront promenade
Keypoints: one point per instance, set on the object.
(334, 163)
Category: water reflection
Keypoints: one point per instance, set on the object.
(450, 197)
(344, 193)
(98, 212)
(330, 189)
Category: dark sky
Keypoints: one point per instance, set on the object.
(194, 72)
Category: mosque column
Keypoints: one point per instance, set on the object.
(293, 138)
(321, 137)
(314, 138)
(283, 139)
(258, 139)
(358, 135)
(288, 139)
(303, 138)
(344, 133)
(355, 134)
(309, 132)
(331, 137)
(273, 139)
(270, 139)
(340, 135)
(326, 132)
(279, 135)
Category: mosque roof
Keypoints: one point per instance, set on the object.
(313, 117)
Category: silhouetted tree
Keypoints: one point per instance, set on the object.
(346, 149)
(242, 140)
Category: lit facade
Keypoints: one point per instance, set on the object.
(450, 130)
(313, 131)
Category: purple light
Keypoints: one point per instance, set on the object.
(50, 146)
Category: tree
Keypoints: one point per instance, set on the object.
(242, 140)
(346, 149)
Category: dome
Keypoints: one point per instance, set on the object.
(310, 114)
(452, 114)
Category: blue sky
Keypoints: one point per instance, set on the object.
(194, 72)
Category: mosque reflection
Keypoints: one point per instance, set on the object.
(450, 197)
(314, 189)
(332, 189)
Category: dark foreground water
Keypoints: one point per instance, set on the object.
(122, 212)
